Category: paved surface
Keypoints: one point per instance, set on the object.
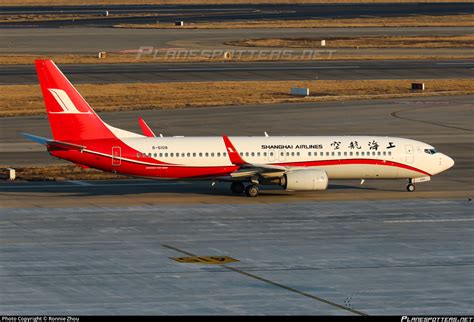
(444, 122)
(169, 13)
(93, 40)
(345, 258)
(119, 73)
(105, 247)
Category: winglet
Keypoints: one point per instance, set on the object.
(234, 155)
(145, 128)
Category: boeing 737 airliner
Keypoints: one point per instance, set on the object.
(294, 163)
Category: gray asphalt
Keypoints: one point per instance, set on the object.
(92, 40)
(119, 73)
(324, 258)
(237, 11)
(106, 247)
(445, 122)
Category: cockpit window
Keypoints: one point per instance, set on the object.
(431, 151)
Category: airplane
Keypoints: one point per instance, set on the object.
(296, 163)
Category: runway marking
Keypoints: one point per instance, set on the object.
(396, 115)
(208, 260)
(257, 68)
(317, 298)
(427, 220)
(80, 183)
(454, 63)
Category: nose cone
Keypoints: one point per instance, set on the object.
(449, 162)
(446, 162)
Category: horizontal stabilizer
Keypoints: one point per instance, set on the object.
(53, 143)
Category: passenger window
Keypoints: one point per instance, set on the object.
(246, 154)
(161, 155)
(258, 154)
(357, 153)
(321, 154)
(241, 154)
(373, 153)
(389, 152)
(253, 154)
(207, 154)
(177, 155)
(218, 154)
(309, 153)
(212, 154)
(194, 154)
(287, 154)
(224, 154)
(282, 153)
(189, 154)
(155, 155)
(351, 154)
(362, 153)
(333, 153)
(166, 154)
(200, 154)
(271, 153)
(345, 154)
(327, 154)
(264, 154)
(384, 153)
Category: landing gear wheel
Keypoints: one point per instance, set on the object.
(411, 187)
(252, 190)
(237, 187)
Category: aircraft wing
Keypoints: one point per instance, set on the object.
(246, 169)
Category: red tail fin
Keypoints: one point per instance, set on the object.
(70, 117)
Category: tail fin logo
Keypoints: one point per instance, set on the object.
(65, 102)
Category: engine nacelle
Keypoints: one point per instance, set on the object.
(305, 179)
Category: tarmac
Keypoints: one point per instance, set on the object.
(310, 258)
(231, 71)
(117, 247)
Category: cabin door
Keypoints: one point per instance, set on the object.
(116, 156)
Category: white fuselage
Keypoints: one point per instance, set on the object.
(342, 157)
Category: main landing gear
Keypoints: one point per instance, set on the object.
(252, 190)
(410, 186)
(238, 187)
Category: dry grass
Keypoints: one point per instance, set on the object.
(27, 100)
(67, 17)
(410, 21)
(173, 2)
(465, 41)
(60, 172)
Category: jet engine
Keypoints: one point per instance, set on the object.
(305, 179)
